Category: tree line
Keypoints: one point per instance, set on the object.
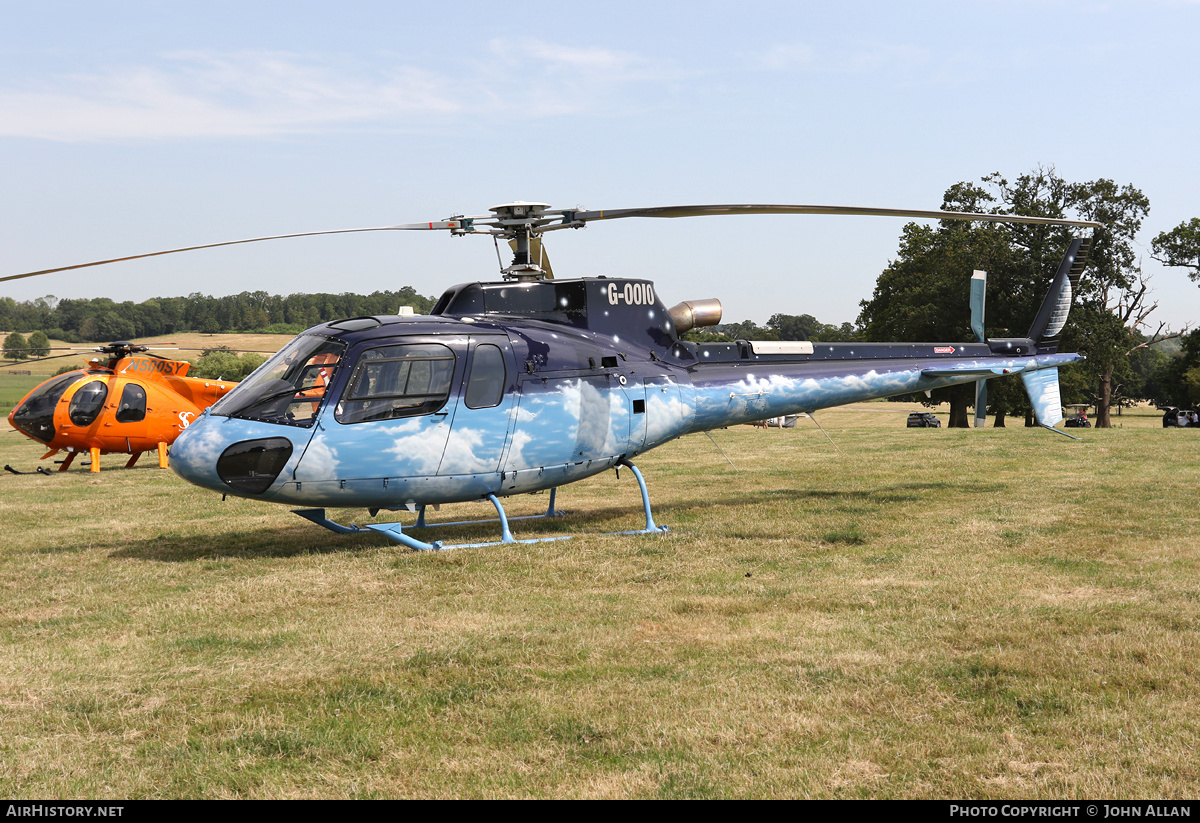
(103, 320)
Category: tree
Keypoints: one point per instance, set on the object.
(1112, 301)
(223, 364)
(39, 344)
(1180, 247)
(15, 347)
(923, 294)
(1174, 382)
(793, 327)
(807, 327)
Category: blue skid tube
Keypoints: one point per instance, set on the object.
(395, 531)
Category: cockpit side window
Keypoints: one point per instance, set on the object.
(397, 381)
(86, 404)
(290, 387)
(485, 386)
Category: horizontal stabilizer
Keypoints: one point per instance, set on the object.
(984, 371)
(1042, 387)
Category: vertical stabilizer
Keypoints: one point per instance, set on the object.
(1052, 315)
(980, 404)
(978, 296)
(1042, 387)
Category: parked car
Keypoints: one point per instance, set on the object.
(1180, 418)
(923, 420)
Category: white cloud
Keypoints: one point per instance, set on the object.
(198, 95)
(260, 94)
(785, 56)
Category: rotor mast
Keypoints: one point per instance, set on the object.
(520, 223)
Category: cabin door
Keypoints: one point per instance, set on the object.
(483, 419)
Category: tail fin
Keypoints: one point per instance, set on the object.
(978, 296)
(1052, 315)
(1042, 388)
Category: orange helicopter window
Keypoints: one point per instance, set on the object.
(35, 416)
(88, 401)
(132, 408)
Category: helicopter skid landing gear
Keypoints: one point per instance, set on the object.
(651, 528)
(395, 531)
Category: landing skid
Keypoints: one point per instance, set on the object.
(395, 531)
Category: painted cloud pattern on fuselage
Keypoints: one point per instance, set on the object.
(570, 426)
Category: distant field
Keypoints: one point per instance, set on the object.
(917, 613)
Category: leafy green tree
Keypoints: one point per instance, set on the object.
(745, 330)
(1180, 247)
(807, 327)
(15, 347)
(39, 344)
(1172, 382)
(912, 297)
(923, 294)
(793, 327)
(224, 364)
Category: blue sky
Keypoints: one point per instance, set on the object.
(128, 127)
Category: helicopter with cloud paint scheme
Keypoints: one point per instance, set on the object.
(530, 383)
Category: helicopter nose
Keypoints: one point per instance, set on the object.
(229, 461)
(195, 452)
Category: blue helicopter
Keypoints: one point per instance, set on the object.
(530, 383)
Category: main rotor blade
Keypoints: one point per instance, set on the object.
(436, 225)
(6, 363)
(716, 209)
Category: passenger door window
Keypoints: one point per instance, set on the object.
(485, 386)
(397, 381)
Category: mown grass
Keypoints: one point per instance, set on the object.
(927, 613)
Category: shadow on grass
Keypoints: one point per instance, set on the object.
(895, 493)
(303, 538)
(243, 545)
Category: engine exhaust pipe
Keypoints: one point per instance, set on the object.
(692, 314)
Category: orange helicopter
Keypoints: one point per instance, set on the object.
(134, 403)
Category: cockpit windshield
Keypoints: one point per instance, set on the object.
(35, 416)
(290, 387)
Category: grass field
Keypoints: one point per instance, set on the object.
(924, 613)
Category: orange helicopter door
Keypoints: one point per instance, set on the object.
(129, 415)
